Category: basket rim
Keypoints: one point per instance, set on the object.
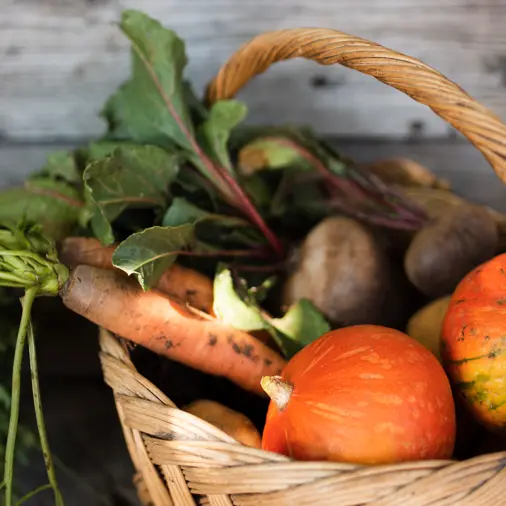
(328, 46)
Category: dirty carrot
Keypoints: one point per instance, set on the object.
(184, 284)
(157, 322)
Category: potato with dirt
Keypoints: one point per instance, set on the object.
(343, 269)
(405, 172)
(436, 202)
(449, 247)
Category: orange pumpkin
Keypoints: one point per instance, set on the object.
(473, 342)
(366, 394)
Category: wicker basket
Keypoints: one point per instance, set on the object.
(183, 460)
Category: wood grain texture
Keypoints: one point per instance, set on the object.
(455, 160)
(60, 59)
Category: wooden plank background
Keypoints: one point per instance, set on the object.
(60, 59)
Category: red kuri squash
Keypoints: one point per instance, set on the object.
(364, 394)
(473, 342)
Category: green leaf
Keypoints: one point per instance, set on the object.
(239, 307)
(102, 149)
(133, 177)
(259, 190)
(303, 323)
(150, 108)
(270, 153)
(61, 165)
(245, 134)
(229, 307)
(54, 205)
(279, 147)
(181, 211)
(294, 200)
(212, 227)
(147, 254)
(214, 133)
(195, 183)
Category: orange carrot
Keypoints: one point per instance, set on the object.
(151, 319)
(184, 284)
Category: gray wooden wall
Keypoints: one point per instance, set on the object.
(59, 60)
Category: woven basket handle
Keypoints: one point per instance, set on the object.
(412, 77)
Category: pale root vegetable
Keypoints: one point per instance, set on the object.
(341, 268)
(425, 324)
(151, 319)
(364, 394)
(184, 284)
(405, 172)
(449, 247)
(233, 423)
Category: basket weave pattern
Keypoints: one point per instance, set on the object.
(194, 456)
(182, 460)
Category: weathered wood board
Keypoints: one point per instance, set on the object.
(60, 59)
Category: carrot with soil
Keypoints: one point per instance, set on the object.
(110, 299)
(184, 284)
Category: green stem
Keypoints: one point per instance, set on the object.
(39, 415)
(13, 278)
(23, 253)
(10, 284)
(33, 493)
(10, 447)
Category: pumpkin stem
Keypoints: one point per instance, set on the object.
(277, 389)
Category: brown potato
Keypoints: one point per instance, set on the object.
(405, 172)
(449, 247)
(425, 324)
(500, 220)
(435, 202)
(343, 270)
(233, 423)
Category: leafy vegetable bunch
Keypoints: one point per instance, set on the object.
(176, 178)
